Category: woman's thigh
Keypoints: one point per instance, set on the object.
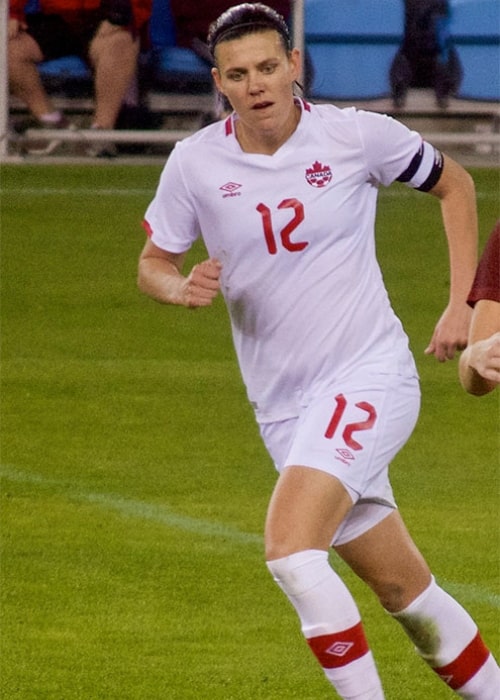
(306, 508)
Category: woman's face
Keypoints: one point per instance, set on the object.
(256, 74)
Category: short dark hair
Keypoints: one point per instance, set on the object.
(247, 18)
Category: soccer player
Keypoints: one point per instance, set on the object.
(479, 365)
(287, 216)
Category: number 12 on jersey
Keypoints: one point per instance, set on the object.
(286, 232)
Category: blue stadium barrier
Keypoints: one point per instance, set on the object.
(475, 32)
(351, 44)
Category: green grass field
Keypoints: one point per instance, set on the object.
(134, 483)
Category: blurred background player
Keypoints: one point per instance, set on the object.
(427, 57)
(107, 34)
(480, 362)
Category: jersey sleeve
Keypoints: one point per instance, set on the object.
(486, 283)
(170, 220)
(395, 152)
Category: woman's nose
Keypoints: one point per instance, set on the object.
(254, 83)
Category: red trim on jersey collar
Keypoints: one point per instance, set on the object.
(305, 105)
(229, 125)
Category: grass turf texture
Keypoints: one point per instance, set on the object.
(134, 483)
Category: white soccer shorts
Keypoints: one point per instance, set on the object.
(353, 433)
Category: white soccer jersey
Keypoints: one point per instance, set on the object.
(295, 234)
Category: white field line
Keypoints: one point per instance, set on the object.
(137, 509)
(162, 514)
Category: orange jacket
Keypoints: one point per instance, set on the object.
(141, 9)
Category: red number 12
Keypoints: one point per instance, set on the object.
(287, 231)
(350, 428)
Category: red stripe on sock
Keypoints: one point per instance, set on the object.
(466, 665)
(341, 648)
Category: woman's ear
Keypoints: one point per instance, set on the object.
(296, 64)
(216, 79)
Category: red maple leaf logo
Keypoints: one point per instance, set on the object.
(318, 175)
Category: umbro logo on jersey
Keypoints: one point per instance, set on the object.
(230, 189)
(318, 175)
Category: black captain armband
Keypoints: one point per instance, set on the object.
(425, 168)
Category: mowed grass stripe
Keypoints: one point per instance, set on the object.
(163, 515)
(127, 507)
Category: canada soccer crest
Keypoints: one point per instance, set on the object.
(319, 175)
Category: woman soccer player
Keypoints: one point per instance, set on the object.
(287, 216)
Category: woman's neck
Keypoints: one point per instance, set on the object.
(266, 142)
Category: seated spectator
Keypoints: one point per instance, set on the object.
(479, 366)
(427, 57)
(108, 34)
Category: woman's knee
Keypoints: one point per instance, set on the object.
(118, 45)
(23, 49)
(397, 593)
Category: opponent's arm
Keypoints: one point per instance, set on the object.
(160, 277)
(479, 366)
(456, 192)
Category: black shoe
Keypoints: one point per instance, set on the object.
(399, 99)
(443, 101)
(43, 147)
(102, 149)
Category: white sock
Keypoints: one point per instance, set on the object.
(447, 638)
(330, 621)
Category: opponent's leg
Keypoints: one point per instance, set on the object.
(444, 634)
(306, 509)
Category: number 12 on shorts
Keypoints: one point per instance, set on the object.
(350, 428)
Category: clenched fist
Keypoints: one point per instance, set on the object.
(202, 284)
